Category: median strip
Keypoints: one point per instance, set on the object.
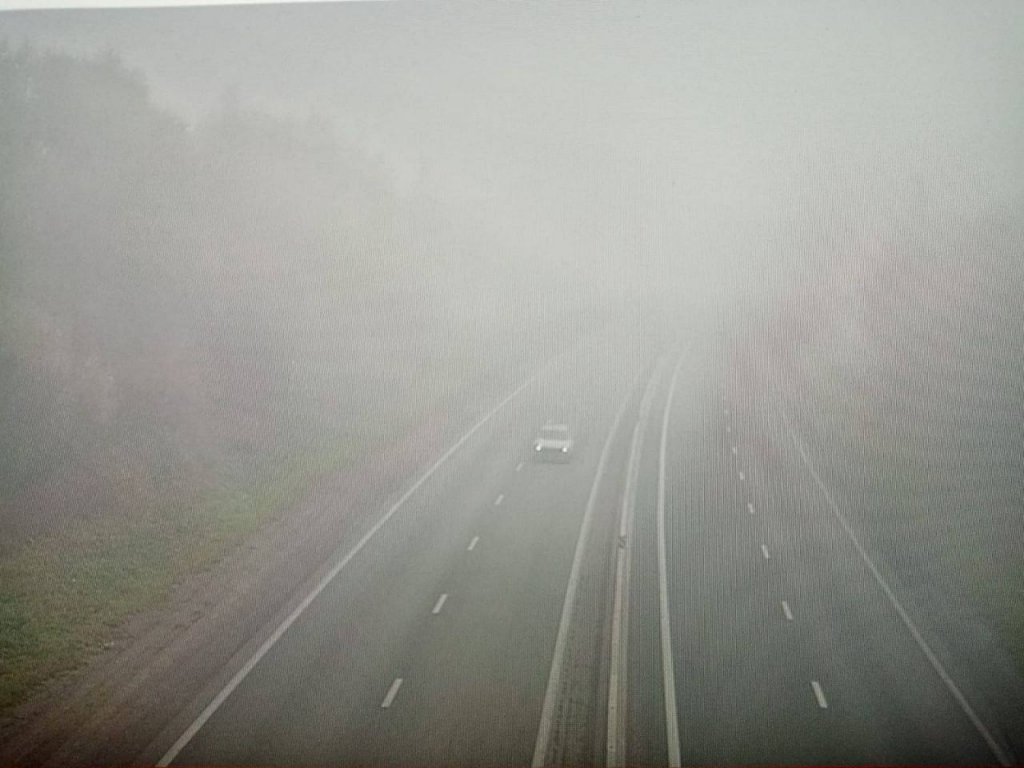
(617, 683)
(667, 663)
(547, 717)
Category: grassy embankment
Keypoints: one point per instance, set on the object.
(63, 595)
(917, 428)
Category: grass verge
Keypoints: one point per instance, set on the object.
(63, 597)
(920, 487)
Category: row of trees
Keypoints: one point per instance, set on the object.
(179, 301)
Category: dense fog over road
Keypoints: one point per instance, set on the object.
(543, 121)
(743, 118)
(251, 253)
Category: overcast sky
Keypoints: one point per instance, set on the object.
(44, 4)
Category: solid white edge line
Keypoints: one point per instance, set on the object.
(440, 603)
(615, 744)
(267, 644)
(667, 663)
(819, 694)
(997, 750)
(547, 717)
(389, 698)
(473, 543)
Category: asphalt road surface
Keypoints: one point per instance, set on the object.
(785, 646)
(435, 644)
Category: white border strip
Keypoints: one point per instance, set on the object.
(1000, 754)
(262, 651)
(547, 717)
(667, 664)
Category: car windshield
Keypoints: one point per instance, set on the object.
(484, 383)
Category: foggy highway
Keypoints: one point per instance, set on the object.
(297, 300)
(435, 643)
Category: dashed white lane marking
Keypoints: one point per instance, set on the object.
(440, 603)
(764, 551)
(519, 466)
(742, 476)
(726, 411)
(501, 498)
(472, 543)
(734, 450)
(728, 430)
(196, 725)
(785, 610)
(392, 692)
(819, 694)
(750, 508)
(998, 750)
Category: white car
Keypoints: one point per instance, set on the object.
(553, 443)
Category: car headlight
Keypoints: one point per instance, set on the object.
(536, 447)
(565, 449)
